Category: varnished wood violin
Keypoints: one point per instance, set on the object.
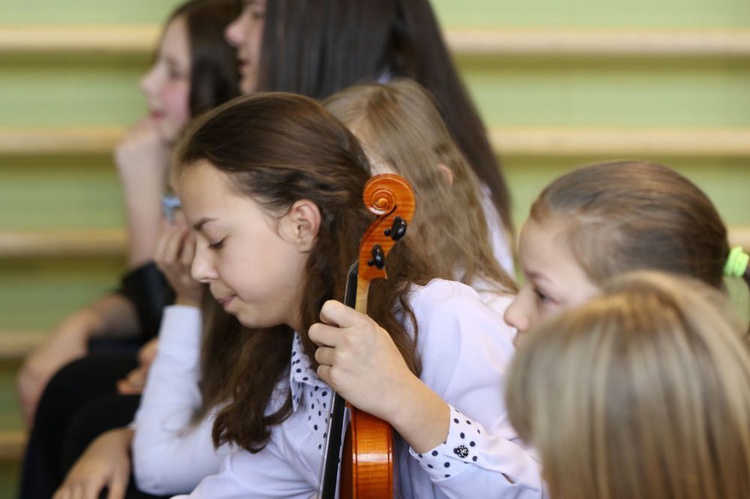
(363, 467)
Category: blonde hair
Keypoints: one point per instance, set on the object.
(644, 392)
(632, 215)
(400, 127)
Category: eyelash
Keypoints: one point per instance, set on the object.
(174, 74)
(217, 245)
(540, 295)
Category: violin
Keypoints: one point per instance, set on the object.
(367, 456)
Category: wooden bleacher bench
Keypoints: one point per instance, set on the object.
(514, 141)
(12, 444)
(141, 39)
(59, 243)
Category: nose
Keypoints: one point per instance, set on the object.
(203, 269)
(517, 314)
(148, 82)
(236, 32)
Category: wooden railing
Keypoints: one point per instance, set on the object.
(140, 39)
(58, 243)
(516, 141)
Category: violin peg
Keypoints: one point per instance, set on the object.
(378, 257)
(398, 230)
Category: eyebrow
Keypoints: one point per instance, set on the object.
(203, 221)
(534, 276)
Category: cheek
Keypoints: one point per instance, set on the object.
(176, 103)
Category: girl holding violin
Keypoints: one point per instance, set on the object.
(272, 186)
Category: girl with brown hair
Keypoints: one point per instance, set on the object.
(272, 185)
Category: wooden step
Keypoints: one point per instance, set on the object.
(80, 243)
(513, 141)
(12, 445)
(599, 42)
(58, 243)
(14, 344)
(621, 141)
(79, 40)
(26, 141)
(141, 39)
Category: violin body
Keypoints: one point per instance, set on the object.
(368, 459)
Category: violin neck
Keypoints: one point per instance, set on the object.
(363, 291)
(329, 480)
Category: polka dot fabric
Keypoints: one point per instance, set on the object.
(459, 449)
(310, 394)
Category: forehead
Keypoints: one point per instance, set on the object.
(540, 238)
(175, 41)
(202, 181)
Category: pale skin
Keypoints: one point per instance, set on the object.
(246, 34)
(554, 280)
(142, 159)
(104, 464)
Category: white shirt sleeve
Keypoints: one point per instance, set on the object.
(466, 349)
(170, 453)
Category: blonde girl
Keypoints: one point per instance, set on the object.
(642, 393)
(402, 132)
(604, 219)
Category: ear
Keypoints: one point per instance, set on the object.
(301, 224)
(447, 173)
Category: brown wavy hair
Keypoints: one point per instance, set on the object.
(278, 148)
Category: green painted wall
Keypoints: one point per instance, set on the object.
(83, 192)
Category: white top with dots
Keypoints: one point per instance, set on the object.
(465, 349)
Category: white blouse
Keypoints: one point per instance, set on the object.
(465, 349)
(170, 454)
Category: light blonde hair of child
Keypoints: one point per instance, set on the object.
(400, 127)
(633, 215)
(642, 393)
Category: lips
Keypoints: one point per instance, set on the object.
(225, 301)
(242, 65)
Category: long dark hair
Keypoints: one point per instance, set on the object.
(318, 47)
(279, 148)
(214, 78)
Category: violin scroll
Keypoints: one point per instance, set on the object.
(391, 198)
